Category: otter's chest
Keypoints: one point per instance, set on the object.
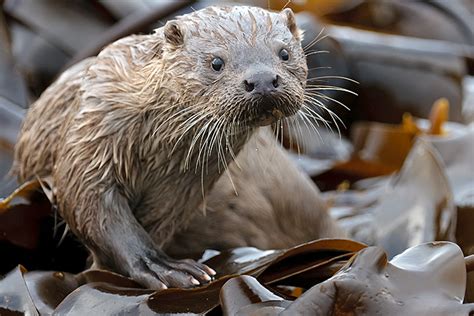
(170, 193)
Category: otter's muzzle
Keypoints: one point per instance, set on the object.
(261, 83)
(264, 87)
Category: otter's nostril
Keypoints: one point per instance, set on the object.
(249, 86)
(275, 81)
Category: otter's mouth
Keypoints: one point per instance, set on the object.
(269, 117)
(270, 111)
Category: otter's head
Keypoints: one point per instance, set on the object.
(242, 65)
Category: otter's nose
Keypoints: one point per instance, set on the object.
(261, 83)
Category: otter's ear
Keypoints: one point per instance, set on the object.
(173, 33)
(291, 23)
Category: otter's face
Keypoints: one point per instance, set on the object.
(245, 64)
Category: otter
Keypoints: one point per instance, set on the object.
(135, 138)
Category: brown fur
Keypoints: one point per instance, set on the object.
(135, 137)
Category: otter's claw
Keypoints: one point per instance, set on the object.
(164, 273)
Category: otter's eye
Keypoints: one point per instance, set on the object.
(217, 64)
(284, 54)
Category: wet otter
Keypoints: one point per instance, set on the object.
(135, 138)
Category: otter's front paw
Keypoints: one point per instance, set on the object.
(161, 273)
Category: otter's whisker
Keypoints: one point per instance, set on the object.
(232, 153)
(194, 142)
(333, 77)
(308, 121)
(297, 127)
(318, 118)
(203, 145)
(186, 129)
(227, 170)
(204, 163)
(325, 97)
(206, 149)
(330, 88)
(305, 121)
(318, 68)
(176, 115)
(333, 115)
(289, 132)
(220, 152)
(216, 135)
(315, 40)
(316, 115)
(317, 52)
(282, 127)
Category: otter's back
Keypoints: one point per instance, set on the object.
(40, 135)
